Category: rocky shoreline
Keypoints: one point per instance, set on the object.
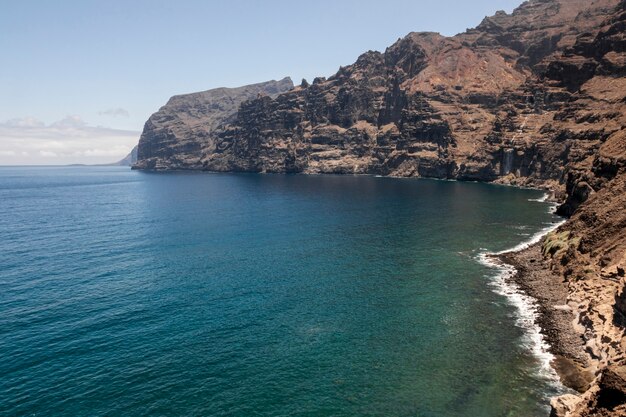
(556, 318)
(575, 332)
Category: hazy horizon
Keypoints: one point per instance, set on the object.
(81, 78)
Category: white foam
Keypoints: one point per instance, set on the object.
(527, 309)
(520, 227)
(533, 239)
(541, 199)
(527, 313)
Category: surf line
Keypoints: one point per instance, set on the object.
(526, 307)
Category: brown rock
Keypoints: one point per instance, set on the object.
(176, 135)
(612, 384)
(563, 405)
(516, 100)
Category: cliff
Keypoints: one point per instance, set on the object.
(178, 134)
(521, 99)
(516, 100)
(532, 98)
(130, 159)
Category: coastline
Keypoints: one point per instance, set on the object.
(554, 317)
(578, 337)
(525, 278)
(540, 297)
(571, 322)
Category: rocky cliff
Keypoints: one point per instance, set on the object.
(178, 134)
(536, 97)
(130, 159)
(516, 100)
(519, 99)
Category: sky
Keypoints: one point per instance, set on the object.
(79, 78)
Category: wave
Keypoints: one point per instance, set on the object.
(541, 199)
(526, 307)
(535, 238)
(527, 312)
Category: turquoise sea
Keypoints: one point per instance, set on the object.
(126, 293)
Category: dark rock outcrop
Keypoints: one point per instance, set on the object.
(612, 389)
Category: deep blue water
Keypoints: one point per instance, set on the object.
(130, 293)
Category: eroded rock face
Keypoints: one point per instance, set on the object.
(176, 136)
(521, 99)
(607, 397)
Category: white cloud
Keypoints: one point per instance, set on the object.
(117, 112)
(68, 141)
(24, 122)
(69, 121)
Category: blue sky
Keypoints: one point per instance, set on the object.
(95, 70)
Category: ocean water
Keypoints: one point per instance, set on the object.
(125, 293)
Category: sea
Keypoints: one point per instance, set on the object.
(127, 293)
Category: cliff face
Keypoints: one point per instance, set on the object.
(130, 159)
(536, 97)
(520, 99)
(176, 136)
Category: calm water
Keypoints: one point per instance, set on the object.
(129, 293)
